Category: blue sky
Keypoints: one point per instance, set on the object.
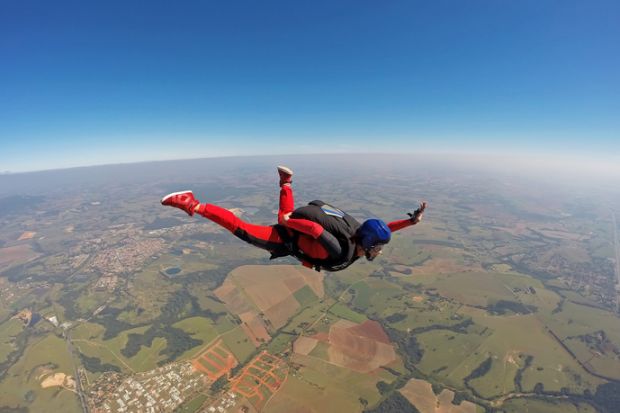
(105, 82)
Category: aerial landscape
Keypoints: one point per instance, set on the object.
(310, 207)
(497, 302)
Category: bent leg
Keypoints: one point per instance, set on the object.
(287, 204)
(265, 237)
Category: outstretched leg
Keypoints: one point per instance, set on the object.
(265, 237)
(262, 236)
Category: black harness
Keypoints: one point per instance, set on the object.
(338, 223)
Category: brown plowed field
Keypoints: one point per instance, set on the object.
(282, 311)
(235, 300)
(254, 327)
(360, 347)
(420, 394)
(17, 253)
(304, 345)
(268, 289)
(257, 327)
(314, 279)
(27, 235)
(324, 337)
(294, 284)
(372, 330)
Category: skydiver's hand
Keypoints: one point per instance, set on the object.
(416, 216)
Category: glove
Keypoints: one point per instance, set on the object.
(416, 216)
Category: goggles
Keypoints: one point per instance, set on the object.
(372, 252)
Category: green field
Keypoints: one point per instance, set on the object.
(445, 351)
(22, 385)
(384, 296)
(205, 297)
(521, 405)
(148, 358)
(302, 321)
(8, 331)
(192, 405)
(89, 301)
(342, 311)
(320, 351)
(87, 337)
(326, 387)
(477, 288)
(305, 296)
(361, 299)
(200, 328)
(403, 250)
(431, 311)
(146, 306)
(500, 378)
(578, 320)
(551, 364)
(239, 344)
(280, 343)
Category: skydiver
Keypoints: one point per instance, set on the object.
(319, 235)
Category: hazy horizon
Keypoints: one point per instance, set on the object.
(570, 174)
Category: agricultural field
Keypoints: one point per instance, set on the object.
(342, 311)
(326, 385)
(550, 364)
(260, 379)
(16, 254)
(592, 334)
(88, 339)
(146, 306)
(520, 405)
(420, 394)
(215, 361)
(24, 383)
(8, 331)
(200, 328)
(376, 296)
(239, 344)
(504, 295)
(275, 293)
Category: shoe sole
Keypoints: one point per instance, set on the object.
(175, 193)
(286, 170)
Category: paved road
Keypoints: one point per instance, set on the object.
(78, 382)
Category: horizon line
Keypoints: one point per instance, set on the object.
(513, 156)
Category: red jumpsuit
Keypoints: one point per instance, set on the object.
(267, 237)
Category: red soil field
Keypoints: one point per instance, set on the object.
(262, 377)
(215, 362)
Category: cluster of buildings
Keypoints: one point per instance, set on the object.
(11, 292)
(128, 257)
(186, 229)
(159, 390)
(106, 283)
(225, 404)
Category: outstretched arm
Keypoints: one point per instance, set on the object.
(414, 218)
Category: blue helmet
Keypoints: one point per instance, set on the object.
(373, 232)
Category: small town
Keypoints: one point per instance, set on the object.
(159, 390)
(128, 257)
